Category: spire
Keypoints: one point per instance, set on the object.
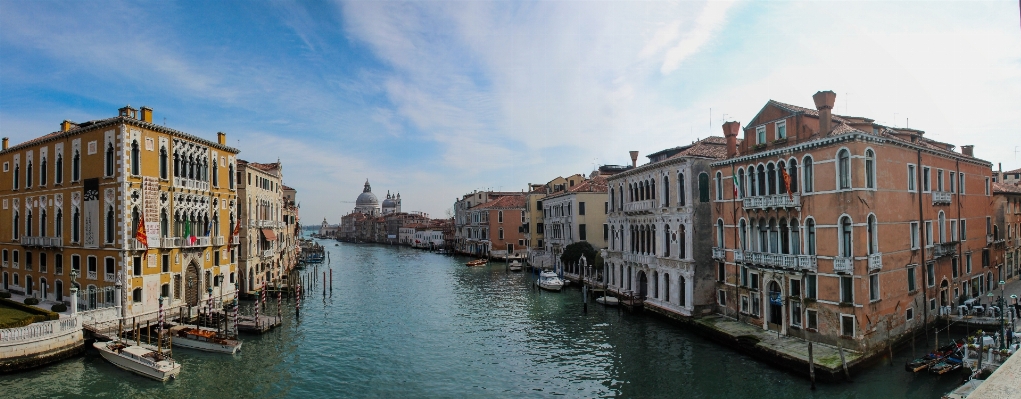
(368, 188)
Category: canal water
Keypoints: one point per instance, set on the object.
(404, 323)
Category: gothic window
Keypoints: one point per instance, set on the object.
(845, 237)
(810, 237)
(792, 171)
(870, 169)
(136, 161)
(28, 174)
(76, 166)
(873, 241)
(58, 224)
(163, 162)
(58, 173)
(809, 181)
(680, 189)
(110, 225)
(42, 172)
(719, 186)
(844, 168)
(76, 224)
(110, 160)
(703, 187)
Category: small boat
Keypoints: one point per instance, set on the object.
(608, 301)
(203, 339)
(143, 360)
(477, 262)
(515, 266)
(948, 364)
(931, 358)
(550, 281)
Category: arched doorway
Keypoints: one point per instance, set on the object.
(775, 304)
(58, 292)
(944, 293)
(643, 284)
(191, 283)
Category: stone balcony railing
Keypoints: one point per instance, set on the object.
(941, 249)
(941, 198)
(170, 242)
(39, 331)
(134, 245)
(989, 239)
(92, 275)
(775, 201)
(218, 240)
(843, 265)
(785, 261)
(38, 241)
(640, 206)
(110, 276)
(181, 182)
(719, 253)
(638, 258)
(236, 240)
(875, 262)
(738, 256)
(268, 253)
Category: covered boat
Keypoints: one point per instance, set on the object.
(550, 281)
(515, 266)
(931, 358)
(608, 300)
(144, 360)
(204, 339)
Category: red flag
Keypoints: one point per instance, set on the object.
(140, 233)
(237, 229)
(787, 183)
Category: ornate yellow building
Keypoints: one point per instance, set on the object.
(72, 201)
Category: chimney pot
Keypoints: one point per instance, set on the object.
(147, 114)
(730, 131)
(221, 138)
(6, 140)
(65, 125)
(968, 150)
(634, 158)
(824, 101)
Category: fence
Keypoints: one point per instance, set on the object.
(96, 298)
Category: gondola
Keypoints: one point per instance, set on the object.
(931, 358)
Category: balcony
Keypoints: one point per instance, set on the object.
(236, 240)
(267, 253)
(719, 253)
(775, 201)
(36, 241)
(940, 198)
(181, 182)
(843, 265)
(134, 245)
(738, 256)
(989, 239)
(218, 240)
(170, 242)
(91, 275)
(784, 261)
(109, 277)
(939, 250)
(637, 207)
(184, 242)
(875, 262)
(638, 258)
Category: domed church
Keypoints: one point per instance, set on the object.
(368, 204)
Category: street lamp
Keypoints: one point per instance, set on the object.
(1002, 308)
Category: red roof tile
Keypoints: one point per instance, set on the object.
(505, 202)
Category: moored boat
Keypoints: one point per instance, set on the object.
(608, 300)
(142, 360)
(204, 339)
(931, 358)
(550, 281)
(515, 266)
(476, 262)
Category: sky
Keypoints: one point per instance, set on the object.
(436, 99)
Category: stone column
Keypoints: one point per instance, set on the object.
(117, 296)
(74, 300)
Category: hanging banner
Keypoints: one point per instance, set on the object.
(91, 213)
(151, 208)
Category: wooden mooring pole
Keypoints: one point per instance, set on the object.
(811, 365)
(844, 363)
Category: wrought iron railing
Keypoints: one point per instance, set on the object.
(772, 201)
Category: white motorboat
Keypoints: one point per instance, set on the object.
(142, 360)
(515, 266)
(608, 300)
(203, 339)
(550, 281)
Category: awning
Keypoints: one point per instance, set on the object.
(268, 233)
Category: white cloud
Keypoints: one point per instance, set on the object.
(706, 26)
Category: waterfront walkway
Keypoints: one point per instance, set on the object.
(790, 350)
(1004, 383)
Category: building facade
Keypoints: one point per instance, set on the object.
(574, 215)
(264, 234)
(659, 218)
(844, 231)
(73, 200)
(1006, 231)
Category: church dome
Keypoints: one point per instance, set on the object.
(389, 202)
(367, 198)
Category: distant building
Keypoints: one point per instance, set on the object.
(1006, 231)
(575, 215)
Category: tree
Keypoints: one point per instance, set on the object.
(573, 252)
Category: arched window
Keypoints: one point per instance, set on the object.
(719, 233)
(76, 224)
(942, 227)
(28, 223)
(164, 224)
(230, 175)
(792, 171)
(613, 198)
(666, 287)
(58, 224)
(42, 172)
(28, 175)
(666, 240)
(42, 222)
(17, 224)
(743, 231)
(641, 191)
(655, 284)
(762, 180)
(740, 183)
(870, 169)
(810, 236)
(774, 237)
(109, 160)
(177, 165)
(785, 236)
(163, 162)
(682, 243)
(58, 173)
(703, 187)
(680, 189)
(620, 204)
(134, 221)
(771, 178)
(136, 161)
(795, 237)
(719, 186)
(652, 188)
(111, 226)
(781, 169)
(846, 249)
(666, 190)
(76, 166)
(844, 168)
(873, 226)
(681, 290)
(809, 180)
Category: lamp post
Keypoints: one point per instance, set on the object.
(1000, 304)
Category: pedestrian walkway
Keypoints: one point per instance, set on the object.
(793, 350)
(1004, 383)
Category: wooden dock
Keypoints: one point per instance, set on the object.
(249, 325)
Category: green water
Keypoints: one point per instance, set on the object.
(407, 323)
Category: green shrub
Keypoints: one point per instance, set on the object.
(5, 294)
(31, 301)
(59, 308)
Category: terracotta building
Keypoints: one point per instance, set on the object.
(843, 230)
(73, 200)
(1006, 230)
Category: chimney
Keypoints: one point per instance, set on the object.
(730, 131)
(65, 125)
(221, 138)
(634, 158)
(146, 114)
(968, 150)
(824, 103)
(5, 143)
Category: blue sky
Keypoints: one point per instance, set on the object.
(435, 99)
